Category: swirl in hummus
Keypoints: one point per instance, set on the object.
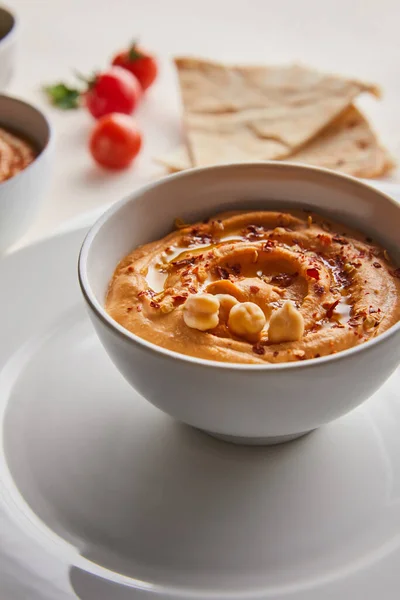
(329, 288)
(15, 154)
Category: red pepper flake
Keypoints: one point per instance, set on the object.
(339, 261)
(202, 238)
(129, 309)
(258, 349)
(254, 289)
(353, 322)
(332, 307)
(325, 239)
(142, 293)
(253, 232)
(184, 262)
(180, 299)
(314, 273)
(317, 356)
(154, 304)
(139, 308)
(339, 240)
(268, 245)
(284, 279)
(130, 269)
(396, 273)
(192, 289)
(221, 272)
(235, 269)
(377, 265)
(319, 289)
(276, 353)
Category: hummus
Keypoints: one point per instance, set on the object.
(15, 154)
(340, 284)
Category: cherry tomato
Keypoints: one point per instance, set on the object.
(115, 141)
(140, 63)
(115, 90)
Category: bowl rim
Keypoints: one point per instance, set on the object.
(150, 347)
(44, 149)
(12, 31)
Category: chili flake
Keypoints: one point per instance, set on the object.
(284, 279)
(313, 272)
(268, 245)
(330, 310)
(318, 289)
(340, 240)
(221, 272)
(184, 262)
(258, 349)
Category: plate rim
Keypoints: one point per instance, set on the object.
(23, 516)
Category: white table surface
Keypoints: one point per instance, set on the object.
(358, 38)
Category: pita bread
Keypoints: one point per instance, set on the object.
(232, 113)
(347, 145)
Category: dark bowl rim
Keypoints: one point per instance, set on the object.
(42, 150)
(14, 24)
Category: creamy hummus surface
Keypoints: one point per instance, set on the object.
(15, 154)
(257, 287)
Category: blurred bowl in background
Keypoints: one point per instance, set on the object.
(20, 195)
(8, 42)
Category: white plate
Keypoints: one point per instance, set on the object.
(127, 499)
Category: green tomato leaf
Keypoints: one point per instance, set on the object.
(62, 96)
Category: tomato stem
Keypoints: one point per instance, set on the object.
(134, 53)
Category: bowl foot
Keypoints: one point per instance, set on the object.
(257, 441)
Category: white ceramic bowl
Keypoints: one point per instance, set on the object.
(242, 403)
(8, 43)
(20, 195)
